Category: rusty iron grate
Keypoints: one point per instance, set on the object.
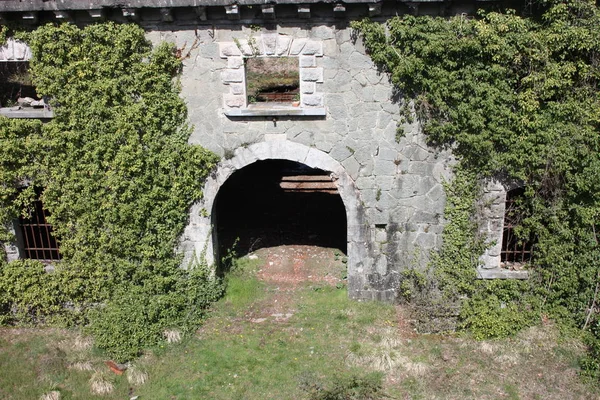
(39, 242)
(515, 250)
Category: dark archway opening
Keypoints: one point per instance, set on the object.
(278, 202)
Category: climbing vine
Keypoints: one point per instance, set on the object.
(516, 98)
(117, 177)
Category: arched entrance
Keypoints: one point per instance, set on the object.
(278, 202)
(198, 241)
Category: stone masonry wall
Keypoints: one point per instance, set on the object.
(399, 180)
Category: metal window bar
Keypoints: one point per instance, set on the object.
(514, 250)
(39, 241)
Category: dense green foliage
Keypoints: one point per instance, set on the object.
(18, 161)
(118, 178)
(517, 98)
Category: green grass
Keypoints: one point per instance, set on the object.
(263, 342)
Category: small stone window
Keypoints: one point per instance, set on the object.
(497, 217)
(295, 76)
(15, 82)
(18, 97)
(273, 80)
(516, 251)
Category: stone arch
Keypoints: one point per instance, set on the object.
(197, 240)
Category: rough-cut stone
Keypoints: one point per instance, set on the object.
(307, 61)
(297, 46)
(308, 87)
(237, 88)
(232, 76)
(234, 100)
(235, 62)
(311, 74)
(229, 49)
(312, 100)
(283, 45)
(269, 42)
(313, 47)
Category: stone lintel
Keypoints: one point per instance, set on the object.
(35, 113)
(501, 273)
(277, 112)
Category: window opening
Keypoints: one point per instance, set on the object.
(515, 250)
(39, 242)
(15, 83)
(272, 80)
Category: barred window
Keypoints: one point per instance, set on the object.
(39, 242)
(515, 250)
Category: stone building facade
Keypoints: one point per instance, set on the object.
(346, 124)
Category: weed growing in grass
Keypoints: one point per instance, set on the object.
(344, 386)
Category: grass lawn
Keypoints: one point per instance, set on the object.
(276, 338)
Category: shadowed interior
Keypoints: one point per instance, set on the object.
(276, 202)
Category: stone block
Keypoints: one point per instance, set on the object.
(237, 88)
(381, 265)
(308, 87)
(322, 32)
(269, 43)
(384, 167)
(235, 62)
(283, 45)
(360, 61)
(388, 153)
(385, 182)
(307, 61)
(313, 47)
(229, 49)
(311, 74)
(337, 112)
(297, 46)
(234, 101)
(324, 146)
(352, 167)
(232, 76)
(340, 151)
(312, 100)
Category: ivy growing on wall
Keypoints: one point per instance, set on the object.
(118, 177)
(516, 98)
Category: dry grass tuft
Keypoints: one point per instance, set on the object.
(82, 366)
(507, 359)
(100, 385)
(79, 344)
(135, 376)
(416, 368)
(82, 343)
(487, 348)
(172, 335)
(54, 395)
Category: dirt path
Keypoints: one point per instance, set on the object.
(287, 269)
